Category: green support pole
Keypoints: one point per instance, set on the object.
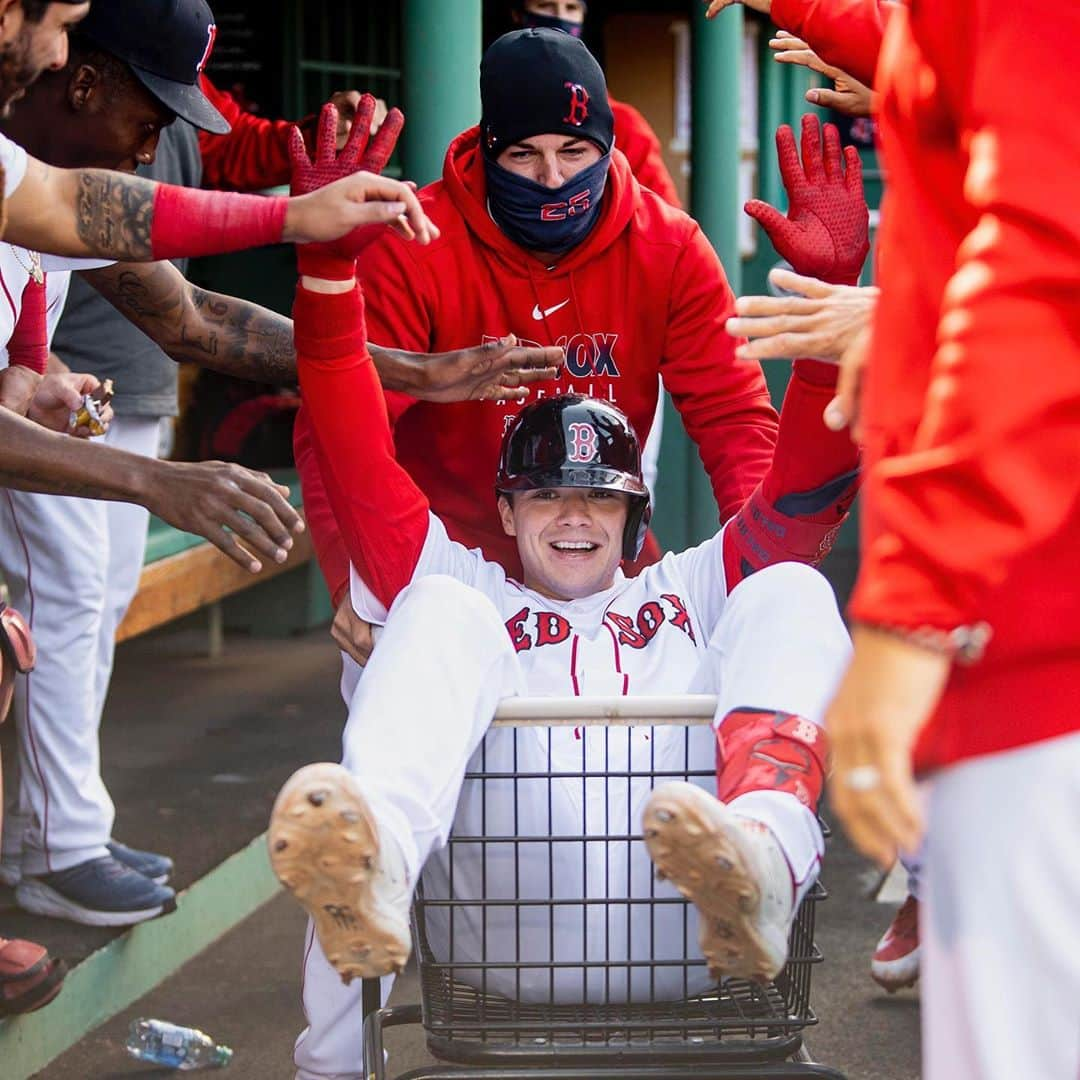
(441, 61)
(714, 185)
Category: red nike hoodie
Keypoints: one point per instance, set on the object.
(644, 294)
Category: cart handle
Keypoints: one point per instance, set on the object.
(675, 709)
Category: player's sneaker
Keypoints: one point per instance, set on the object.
(734, 872)
(325, 848)
(148, 863)
(895, 964)
(98, 892)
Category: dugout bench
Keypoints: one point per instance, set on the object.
(183, 573)
(736, 1031)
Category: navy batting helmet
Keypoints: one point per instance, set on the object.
(577, 441)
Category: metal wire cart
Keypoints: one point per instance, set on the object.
(547, 948)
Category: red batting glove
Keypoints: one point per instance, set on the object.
(336, 261)
(826, 231)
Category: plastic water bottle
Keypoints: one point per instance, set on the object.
(175, 1047)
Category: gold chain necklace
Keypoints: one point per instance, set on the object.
(34, 269)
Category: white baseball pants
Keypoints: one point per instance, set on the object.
(1000, 922)
(420, 714)
(72, 566)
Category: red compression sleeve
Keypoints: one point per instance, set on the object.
(382, 514)
(796, 511)
(29, 344)
(188, 222)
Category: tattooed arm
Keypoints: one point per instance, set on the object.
(239, 338)
(82, 212)
(193, 326)
(94, 212)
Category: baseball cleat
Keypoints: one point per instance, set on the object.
(325, 849)
(895, 964)
(733, 870)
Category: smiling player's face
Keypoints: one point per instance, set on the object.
(569, 539)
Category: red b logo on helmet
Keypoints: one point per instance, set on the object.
(584, 443)
(579, 104)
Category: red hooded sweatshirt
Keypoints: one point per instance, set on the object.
(643, 294)
(971, 401)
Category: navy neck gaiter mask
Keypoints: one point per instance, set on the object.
(551, 22)
(546, 219)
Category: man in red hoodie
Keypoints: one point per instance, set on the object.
(547, 235)
(967, 618)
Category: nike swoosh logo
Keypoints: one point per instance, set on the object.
(538, 314)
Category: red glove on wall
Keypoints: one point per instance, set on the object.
(826, 231)
(361, 153)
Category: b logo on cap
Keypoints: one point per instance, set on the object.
(579, 104)
(211, 37)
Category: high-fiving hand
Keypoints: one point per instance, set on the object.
(386, 201)
(826, 233)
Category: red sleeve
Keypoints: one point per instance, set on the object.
(254, 155)
(796, 511)
(329, 547)
(382, 514)
(637, 140)
(399, 310)
(397, 317)
(992, 473)
(845, 33)
(723, 400)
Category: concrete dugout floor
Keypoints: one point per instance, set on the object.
(194, 752)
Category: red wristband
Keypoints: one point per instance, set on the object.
(29, 343)
(188, 222)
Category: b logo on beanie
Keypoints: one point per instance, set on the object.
(579, 104)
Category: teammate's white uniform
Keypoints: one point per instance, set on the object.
(50, 551)
(461, 638)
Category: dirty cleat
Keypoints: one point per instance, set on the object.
(895, 964)
(325, 849)
(734, 872)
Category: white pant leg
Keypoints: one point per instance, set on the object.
(780, 645)
(127, 525)
(57, 556)
(53, 552)
(1000, 935)
(441, 666)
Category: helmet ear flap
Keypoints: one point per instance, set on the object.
(637, 525)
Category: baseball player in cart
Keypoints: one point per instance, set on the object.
(733, 616)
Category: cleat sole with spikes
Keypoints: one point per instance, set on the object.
(324, 846)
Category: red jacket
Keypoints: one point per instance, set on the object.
(845, 33)
(641, 147)
(254, 155)
(644, 293)
(972, 398)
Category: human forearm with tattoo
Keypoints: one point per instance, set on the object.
(242, 339)
(244, 513)
(95, 212)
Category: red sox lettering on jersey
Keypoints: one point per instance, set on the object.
(535, 628)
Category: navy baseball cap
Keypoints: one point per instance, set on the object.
(166, 43)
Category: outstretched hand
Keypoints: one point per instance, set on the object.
(497, 370)
(371, 199)
(812, 319)
(826, 233)
(848, 95)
